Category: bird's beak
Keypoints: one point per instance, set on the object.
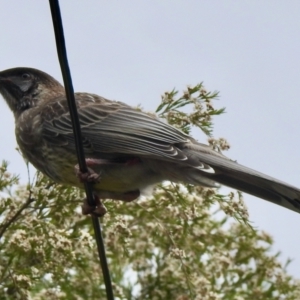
(5, 79)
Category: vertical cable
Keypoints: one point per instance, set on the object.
(62, 56)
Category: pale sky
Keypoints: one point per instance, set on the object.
(133, 51)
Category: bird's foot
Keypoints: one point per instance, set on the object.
(98, 210)
(91, 175)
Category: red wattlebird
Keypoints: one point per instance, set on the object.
(126, 150)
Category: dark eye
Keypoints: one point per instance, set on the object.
(25, 76)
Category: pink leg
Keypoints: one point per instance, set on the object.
(91, 176)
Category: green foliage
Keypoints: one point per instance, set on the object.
(180, 243)
(171, 109)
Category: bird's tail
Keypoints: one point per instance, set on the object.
(234, 175)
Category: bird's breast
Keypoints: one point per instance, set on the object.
(55, 162)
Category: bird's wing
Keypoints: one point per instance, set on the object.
(112, 127)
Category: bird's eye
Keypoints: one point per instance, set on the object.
(25, 76)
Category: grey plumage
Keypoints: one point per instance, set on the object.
(130, 149)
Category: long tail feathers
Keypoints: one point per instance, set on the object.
(231, 174)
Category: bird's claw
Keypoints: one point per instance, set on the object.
(98, 210)
(90, 176)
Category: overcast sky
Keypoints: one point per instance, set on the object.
(133, 51)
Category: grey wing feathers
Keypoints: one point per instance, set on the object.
(113, 127)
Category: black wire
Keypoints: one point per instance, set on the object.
(62, 55)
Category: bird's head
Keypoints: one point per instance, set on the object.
(24, 88)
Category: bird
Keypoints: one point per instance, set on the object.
(126, 150)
